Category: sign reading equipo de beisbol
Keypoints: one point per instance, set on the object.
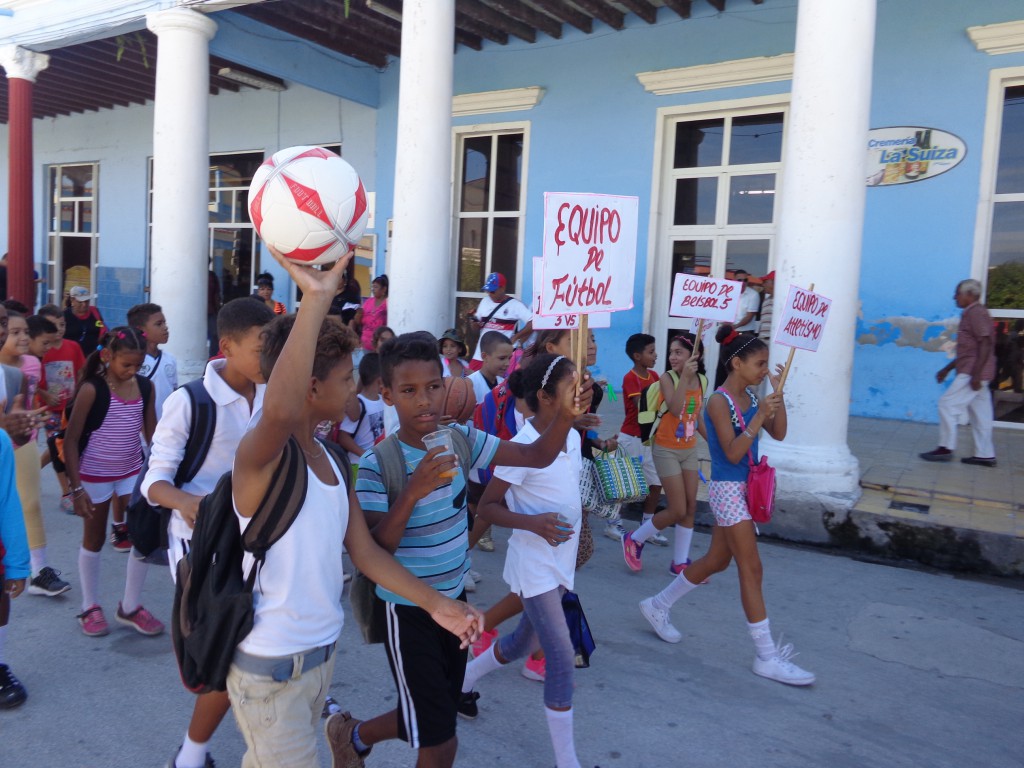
(904, 154)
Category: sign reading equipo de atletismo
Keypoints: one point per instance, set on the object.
(708, 298)
(589, 253)
(557, 322)
(803, 319)
(905, 154)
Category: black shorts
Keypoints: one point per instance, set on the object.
(428, 667)
(474, 491)
(51, 444)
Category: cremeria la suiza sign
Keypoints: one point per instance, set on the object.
(905, 154)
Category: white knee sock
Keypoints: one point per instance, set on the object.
(681, 546)
(89, 575)
(671, 594)
(761, 632)
(191, 755)
(134, 581)
(38, 558)
(560, 726)
(645, 531)
(479, 667)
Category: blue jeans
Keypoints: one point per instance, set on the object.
(543, 621)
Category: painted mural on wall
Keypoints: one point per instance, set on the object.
(905, 154)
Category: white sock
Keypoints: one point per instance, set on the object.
(560, 726)
(38, 558)
(479, 667)
(3, 642)
(134, 581)
(762, 635)
(644, 532)
(675, 591)
(89, 575)
(191, 755)
(681, 546)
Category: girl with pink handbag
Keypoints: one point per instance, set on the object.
(734, 419)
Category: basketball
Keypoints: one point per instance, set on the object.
(309, 204)
(459, 399)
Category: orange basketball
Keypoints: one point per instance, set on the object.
(459, 399)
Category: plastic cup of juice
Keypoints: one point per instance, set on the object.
(442, 438)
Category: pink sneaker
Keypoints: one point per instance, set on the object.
(677, 568)
(94, 623)
(535, 669)
(631, 553)
(486, 638)
(141, 620)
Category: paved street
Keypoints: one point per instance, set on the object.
(914, 669)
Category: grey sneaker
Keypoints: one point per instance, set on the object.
(485, 543)
(659, 538)
(659, 620)
(780, 669)
(614, 530)
(48, 582)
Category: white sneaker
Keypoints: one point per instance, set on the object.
(614, 530)
(468, 582)
(658, 538)
(781, 669)
(659, 621)
(475, 575)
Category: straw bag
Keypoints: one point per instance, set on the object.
(591, 496)
(621, 478)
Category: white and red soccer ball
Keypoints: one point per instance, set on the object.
(308, 204)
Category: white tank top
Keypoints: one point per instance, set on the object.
(298, 590)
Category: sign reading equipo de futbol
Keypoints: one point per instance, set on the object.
(910, 153)
(556, 322)
(803, 319)
(589, 253)
(708, 298)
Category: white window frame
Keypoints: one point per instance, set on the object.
(662, 232)
(55, 288)
(998, 81)
(459, 134)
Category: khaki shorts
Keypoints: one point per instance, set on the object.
(673, 461)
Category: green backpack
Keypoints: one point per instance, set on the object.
(652, 406)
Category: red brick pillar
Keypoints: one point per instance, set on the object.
(21, 66)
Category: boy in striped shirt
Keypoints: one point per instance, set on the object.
(427, 531)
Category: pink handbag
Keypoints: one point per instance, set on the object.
(761, 478)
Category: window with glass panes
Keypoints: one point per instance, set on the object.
(72, 238)
(720, 178)
(490, 204)
(1004, 276)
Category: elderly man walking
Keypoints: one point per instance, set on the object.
(975, 366)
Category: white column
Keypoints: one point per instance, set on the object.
(181, 168)
(821, 216)
(421, 284)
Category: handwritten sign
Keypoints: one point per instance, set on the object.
(803, 319)
(589, 253)
(710, 298)
(557, 322)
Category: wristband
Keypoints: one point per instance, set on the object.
(76, 489)
(747, 433)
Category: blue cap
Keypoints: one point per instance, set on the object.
(495, 280)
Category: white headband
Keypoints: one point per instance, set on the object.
(547, 373)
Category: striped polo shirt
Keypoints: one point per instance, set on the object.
(436, 539)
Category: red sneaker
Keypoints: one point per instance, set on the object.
(535, 669)
(631, 553)
(119, 537)
(94, 623)
(141, 620)
(486, 638)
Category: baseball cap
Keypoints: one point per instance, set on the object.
(80, 293)
(769, 276)
(495, 280)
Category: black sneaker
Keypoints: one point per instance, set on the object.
(208, 764)
(467, 705)
(48, 582)
(978, 461)
(939, 454)
(12, 692)
(119, 539)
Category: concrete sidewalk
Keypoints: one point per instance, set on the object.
(914, 669)
(948, 515)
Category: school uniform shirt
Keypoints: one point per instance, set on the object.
(168, 450)
(750, 301)
(60, 372)
(162, 371)
(632, 386)
(512, 313)
(480, 385)
(435, 542)
(532, 565)
(297, 594)
(371, 426)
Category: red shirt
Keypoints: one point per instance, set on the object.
(60, 371)
(975, 324)
(632, 386)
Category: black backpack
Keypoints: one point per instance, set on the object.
(147, 523)
(213, 604)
